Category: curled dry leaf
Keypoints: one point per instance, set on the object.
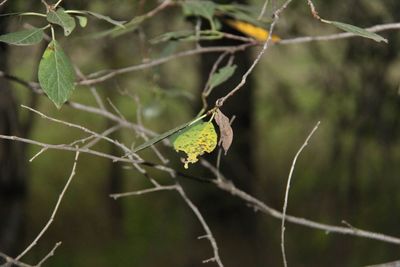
(225, 129)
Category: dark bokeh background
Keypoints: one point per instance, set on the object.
(350, 170)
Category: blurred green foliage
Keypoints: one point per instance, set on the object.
(349, 171)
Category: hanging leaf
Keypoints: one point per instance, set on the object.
(225, 130)
(82, 21)
(356, 30)
(205, 9)
(172, 36)
(56, 74)
(25, 37)
(222, 75)
(243, 13)
(60, 17)
(195, 141)
(106, 18)
(187, 36)
(131, 26)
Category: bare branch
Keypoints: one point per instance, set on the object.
(287, 193)
(216, 258)
(50, 221)
(313, 10)
(228, 186)
(3, 2)
(337, 36)
(50, 254)
(31, 85)
(263, 9)
(9, 260)
(156, 62)
(206, 228)
(220, 101)
(145, 191)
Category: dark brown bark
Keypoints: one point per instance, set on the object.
(13, 187)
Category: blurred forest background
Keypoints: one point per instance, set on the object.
(350, 171)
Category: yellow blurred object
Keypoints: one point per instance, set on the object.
(250, 30)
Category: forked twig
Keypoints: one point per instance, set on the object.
(50, 221)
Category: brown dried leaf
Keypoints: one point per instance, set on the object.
(225, 129)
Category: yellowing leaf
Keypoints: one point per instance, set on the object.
(251, 30)
(195, 141)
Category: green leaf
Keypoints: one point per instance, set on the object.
(25, 37)
(106, 18)
(60, 17)
(120, 30)
(195, 141)
(356, 30)
(82, 21)
(130, 26)
(222, 75)
(56, 74)
(242, 13)
(205, 9)
(187, 36)
(172, 36)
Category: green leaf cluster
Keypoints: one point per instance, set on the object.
(56, 74)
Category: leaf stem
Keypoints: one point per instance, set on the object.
(33, 14)
(46, 27)
(53, 35)
(197, 119)
(75, 12)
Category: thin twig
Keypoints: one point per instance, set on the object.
(337, 36)
(31, 85)
(220, 101)
(228, 186)
(206, 228)
(287, 192)
(43, 149)
(93, 89)
(56, 4)
(50, 221)
(82, 128)
(264, 8)
(313, 10)
(145, 191)
(142, 134)
(50, 254)
(3, 2)
(163, 60)
(13, 261)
